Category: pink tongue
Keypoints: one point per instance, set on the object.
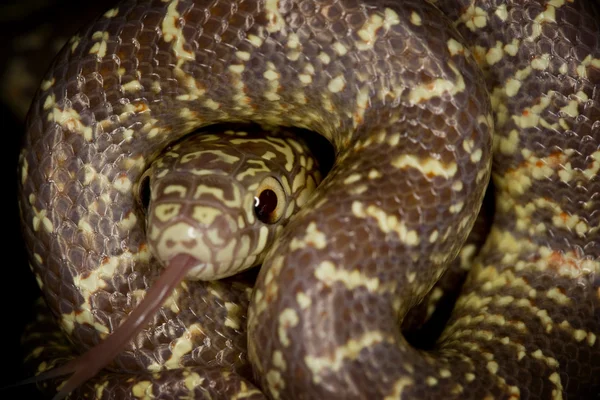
(89, 364)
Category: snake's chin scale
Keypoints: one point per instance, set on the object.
(206, 272)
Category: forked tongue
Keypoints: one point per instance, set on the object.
(91, 362)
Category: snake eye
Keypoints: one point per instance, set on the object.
(144, 192)
(269, 201)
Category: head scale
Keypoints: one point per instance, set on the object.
(222, 199)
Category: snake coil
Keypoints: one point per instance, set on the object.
(402, 91)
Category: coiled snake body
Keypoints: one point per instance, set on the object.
(401, 96)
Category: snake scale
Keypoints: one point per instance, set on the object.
(422, 102)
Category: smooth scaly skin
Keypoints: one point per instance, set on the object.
(51, 348)
(409, 119)
(527, 323)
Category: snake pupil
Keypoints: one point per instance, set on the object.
(265, 204)
(145, 192)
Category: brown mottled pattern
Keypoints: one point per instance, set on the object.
(424, 323)
(407, 111)
(526, 323)
(49, 347)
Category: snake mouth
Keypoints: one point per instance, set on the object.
(208, 271)
(219, 251)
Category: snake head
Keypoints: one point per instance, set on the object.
(222, 199)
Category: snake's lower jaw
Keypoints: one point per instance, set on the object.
(197, 269)
(204, 271)
(187, 262)
(201, 270)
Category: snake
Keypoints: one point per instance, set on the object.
(423, 103)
